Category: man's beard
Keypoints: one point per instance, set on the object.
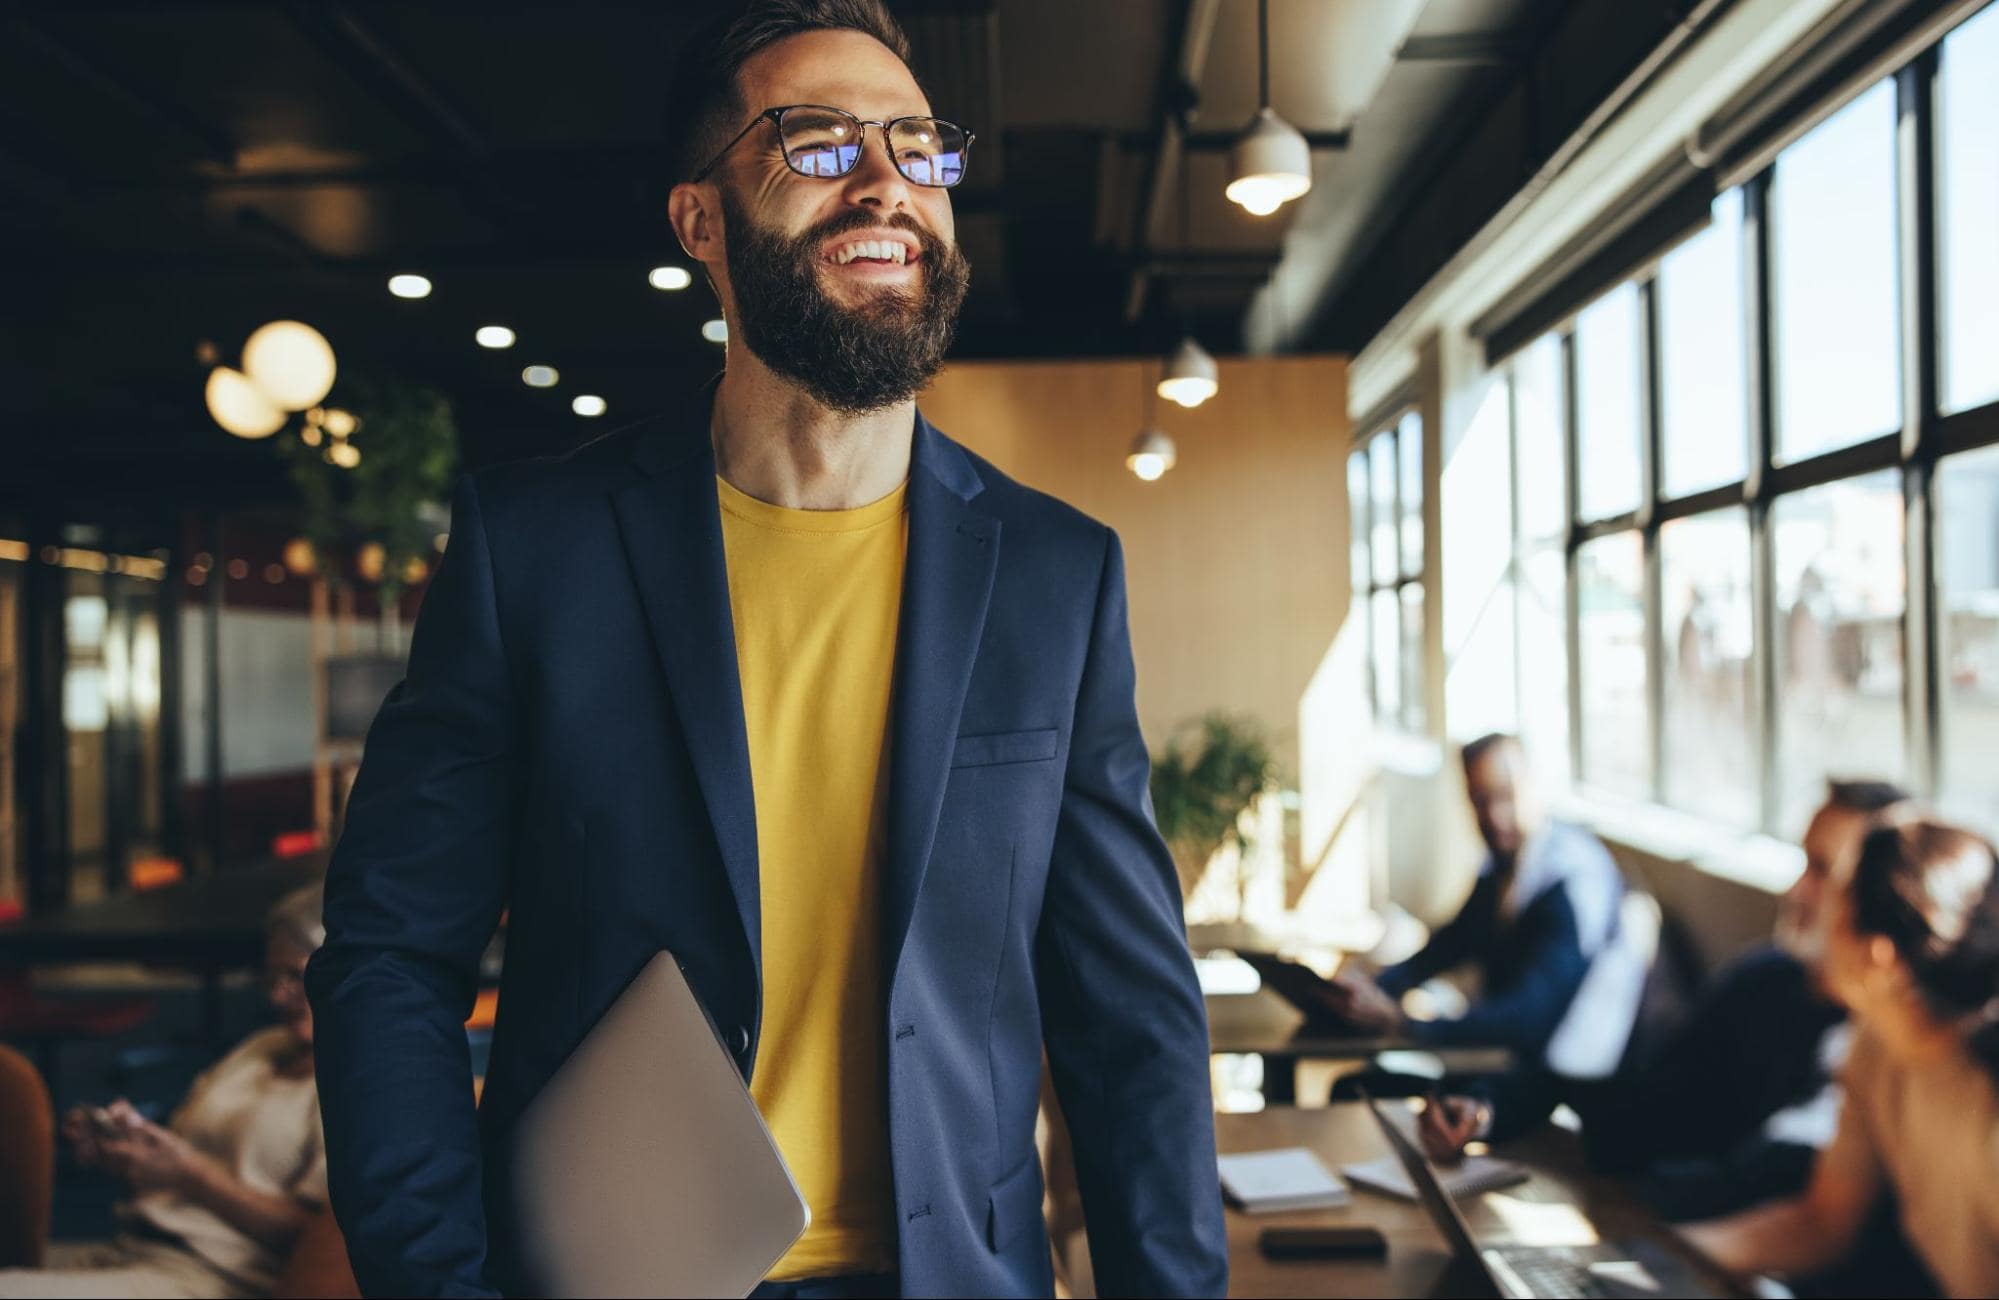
(852, 359)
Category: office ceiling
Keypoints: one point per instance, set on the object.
(174, 174)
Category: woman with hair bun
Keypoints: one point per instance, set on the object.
(1912, 949)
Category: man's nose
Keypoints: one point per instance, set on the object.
(875, 182)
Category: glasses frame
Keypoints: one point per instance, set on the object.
(775, 116)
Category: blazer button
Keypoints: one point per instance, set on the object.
(739, 1040)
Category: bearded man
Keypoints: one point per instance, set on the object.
(797, 688)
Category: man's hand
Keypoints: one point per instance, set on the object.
(1447, 1123)
(81, 1131)
(146, 1155)
(1360, 1002)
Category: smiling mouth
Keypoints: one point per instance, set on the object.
(877, 252)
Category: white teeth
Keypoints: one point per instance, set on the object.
(889, 250)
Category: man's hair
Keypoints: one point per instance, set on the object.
(1477, 749)
(704, 107)
(1865, 797)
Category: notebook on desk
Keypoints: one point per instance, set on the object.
(1474, 1175)
(1290, 1178)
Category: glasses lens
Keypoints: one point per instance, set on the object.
(928, 150)
(820, 141)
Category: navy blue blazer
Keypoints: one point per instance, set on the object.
(569, 744)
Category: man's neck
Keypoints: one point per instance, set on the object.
(775, 443)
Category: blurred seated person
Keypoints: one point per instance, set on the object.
(1546, 901)
(1912, 951)
(1734, 1105)
(221, 1193)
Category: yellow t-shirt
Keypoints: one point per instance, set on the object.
(816, 596)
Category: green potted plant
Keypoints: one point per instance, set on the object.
(1208, 775)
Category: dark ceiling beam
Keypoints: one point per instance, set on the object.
(209, 143)
(1477, 49)
(56, 194)
(419, 100)
(1223, 141)
(429, 169)
(1255, 266)
(1175, 97)
(280, 238)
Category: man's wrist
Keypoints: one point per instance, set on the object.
(197, 1177)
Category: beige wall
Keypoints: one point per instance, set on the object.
(1236, 560)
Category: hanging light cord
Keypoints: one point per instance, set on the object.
(1263, 50)
(1186, 233)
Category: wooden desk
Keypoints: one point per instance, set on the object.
(1537, 1212)
(1272, 1028)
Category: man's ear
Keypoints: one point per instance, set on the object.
(695, 213)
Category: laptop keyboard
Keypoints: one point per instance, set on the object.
(1559, 1271)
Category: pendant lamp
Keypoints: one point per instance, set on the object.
(1271, 163)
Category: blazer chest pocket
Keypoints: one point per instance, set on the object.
(1005, 747)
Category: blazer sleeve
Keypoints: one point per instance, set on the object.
(1122, 1016)
(1524, 1016)
(1448, 948)
(413, 894)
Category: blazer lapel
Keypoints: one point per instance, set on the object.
(671, 527)
(947, 584)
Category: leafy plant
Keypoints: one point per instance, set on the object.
(1211, 771)
(409, 451)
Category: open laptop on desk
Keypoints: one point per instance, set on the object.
(1605, 1268)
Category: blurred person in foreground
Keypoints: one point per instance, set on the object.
(1912, 951)
(223, 1190)
(1545, 903)
(787, 683)
(1735, 1102)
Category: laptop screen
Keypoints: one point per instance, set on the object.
(1442, 1208)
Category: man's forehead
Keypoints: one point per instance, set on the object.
(841, 69)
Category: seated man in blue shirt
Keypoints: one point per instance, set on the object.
(1545, 903)
(1735, 1102)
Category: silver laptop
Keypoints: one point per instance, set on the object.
(1533, 1272)
(643, 1168)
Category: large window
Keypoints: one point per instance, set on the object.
(1539, 429)
(1968, 212)
(1716, 614)
(1967, 551)
(1543, 595)
(1832, 234)
(1609, 398)
(1385, 495)
(1837, 552)
(1610, 626)
(1706, 666)
(1703, 395)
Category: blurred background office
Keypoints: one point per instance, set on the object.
(1620, 377)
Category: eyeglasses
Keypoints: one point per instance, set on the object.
(823, 142)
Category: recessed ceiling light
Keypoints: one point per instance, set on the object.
(716, 331)
(669, 277)
(540, 376)
(494, 336)
(409, 286)
(588, 404)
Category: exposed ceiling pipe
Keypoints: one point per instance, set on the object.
(209, 144)
(1697, 19)
(1184, 72)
